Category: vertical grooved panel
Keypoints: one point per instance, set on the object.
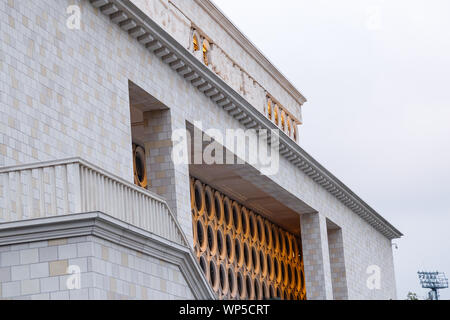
(41, 193)
(65, 190)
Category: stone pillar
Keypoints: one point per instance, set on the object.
(316, 257)
(182, 189)
(168, 179)
(337, 264)
(158, 146)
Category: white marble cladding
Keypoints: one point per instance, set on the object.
(64, 93)
(54, 129)
(165, 47)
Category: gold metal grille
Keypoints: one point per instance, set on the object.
(243, 255)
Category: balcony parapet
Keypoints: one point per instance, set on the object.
(72, 186)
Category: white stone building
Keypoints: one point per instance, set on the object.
(74, 101)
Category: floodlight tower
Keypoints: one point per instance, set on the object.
(434, 281)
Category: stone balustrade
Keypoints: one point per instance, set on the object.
(72, 186)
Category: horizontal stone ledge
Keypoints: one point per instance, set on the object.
(100, 225)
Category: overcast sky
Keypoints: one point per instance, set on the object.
(377, 78)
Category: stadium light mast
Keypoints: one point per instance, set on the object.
(434, 281)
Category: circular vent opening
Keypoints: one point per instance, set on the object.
(237, 250)
(140, 167)
(200, 233)
(276, 268)
(240, 284)
(198, 197)
(208, 202)
(220, 246)
(229, 247)
(260, 230)
(244, 223)
(248, 287)
(203, 264)
(212, 274)
(267, 232)
(262, 261)
(231, 280)
(252, 226)
(255, 259)
(217, 208)
(257, 287)
(210, 238)
(226, 209)
(236, 217)
(246, 255)
(223, 278)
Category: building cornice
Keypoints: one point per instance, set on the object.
(108, 228)
(234, 32)
(138, 25)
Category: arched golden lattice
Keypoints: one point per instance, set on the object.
(244, 255)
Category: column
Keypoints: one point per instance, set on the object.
(316, 257)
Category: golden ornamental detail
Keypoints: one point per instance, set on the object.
(244, 255)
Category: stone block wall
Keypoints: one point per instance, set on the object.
(39, 270)
(158, 147)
